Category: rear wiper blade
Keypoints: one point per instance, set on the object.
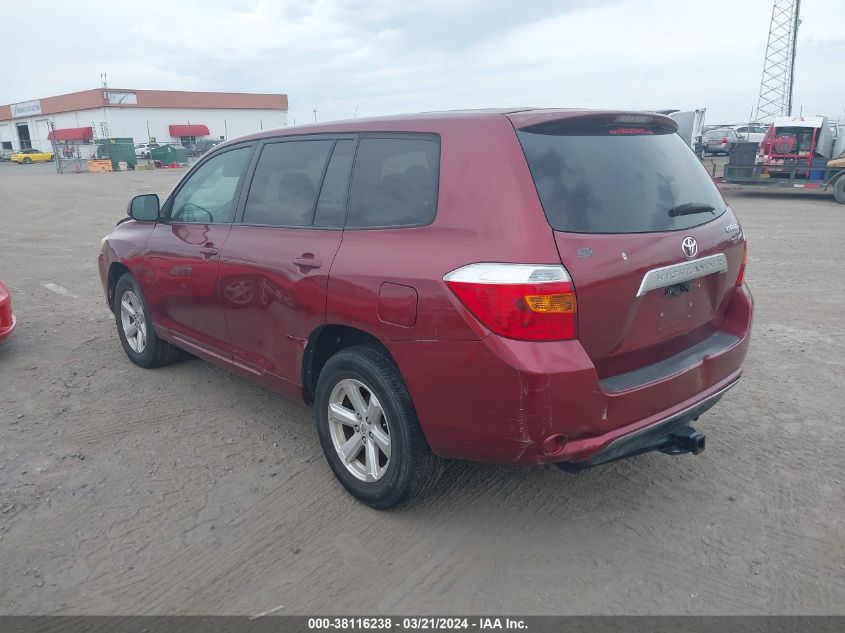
(691, 207)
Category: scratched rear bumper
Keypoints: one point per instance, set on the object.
(499, 400)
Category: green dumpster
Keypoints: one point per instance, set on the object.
(168, 154)
(118, 150)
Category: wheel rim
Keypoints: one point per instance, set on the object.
(359, 430)
(134, 321)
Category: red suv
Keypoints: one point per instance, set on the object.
(534, 286)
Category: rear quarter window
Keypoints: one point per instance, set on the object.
(595, 181)
(394, 182)
(285, 184)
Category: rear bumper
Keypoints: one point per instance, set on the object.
(506, 401)
(648, 437)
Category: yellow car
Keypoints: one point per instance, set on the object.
(27, 156)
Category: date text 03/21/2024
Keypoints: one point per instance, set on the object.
(415, 623)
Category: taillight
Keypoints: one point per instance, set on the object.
(741, 276)
(724, 140)
(531, 302)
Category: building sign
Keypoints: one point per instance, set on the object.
(26, 108)
(114, 97)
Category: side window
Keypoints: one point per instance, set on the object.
(284, 188)
(743, 130)
(208, 194)
(394, 182)
(331, 207)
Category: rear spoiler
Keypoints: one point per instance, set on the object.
(551, 121)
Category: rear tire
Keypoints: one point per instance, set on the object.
(385, 408)
(135, 329)
(839, 189)
(27, 161)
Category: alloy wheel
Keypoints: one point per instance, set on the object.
(134, 321)
(359, 430)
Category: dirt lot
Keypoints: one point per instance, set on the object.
(188, 490)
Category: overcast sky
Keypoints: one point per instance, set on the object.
(388, 56)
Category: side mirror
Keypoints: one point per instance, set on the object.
(144, 208)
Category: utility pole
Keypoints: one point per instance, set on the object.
(315, 115)
(776, 85)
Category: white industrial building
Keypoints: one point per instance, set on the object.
(161, 116)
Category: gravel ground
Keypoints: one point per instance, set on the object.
(187, 490)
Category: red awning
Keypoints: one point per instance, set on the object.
(71, 134)
(188, 130)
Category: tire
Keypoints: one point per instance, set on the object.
(27, 161)
(153, 352)
(839, 189)
(411, 469)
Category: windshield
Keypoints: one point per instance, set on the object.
(606, 182)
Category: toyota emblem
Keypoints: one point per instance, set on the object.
(690, 247)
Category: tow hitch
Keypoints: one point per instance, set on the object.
(676, 441)
(684, 439)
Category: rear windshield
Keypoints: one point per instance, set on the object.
(617, 180)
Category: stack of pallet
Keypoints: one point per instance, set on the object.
(99, 165)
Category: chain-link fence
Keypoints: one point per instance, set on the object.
(121, 154)
(91, 149)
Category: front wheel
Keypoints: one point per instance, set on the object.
(27, 161)
(136, 332)
(369, 431)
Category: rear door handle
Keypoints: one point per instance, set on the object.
(307, 263)
(209, 250)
